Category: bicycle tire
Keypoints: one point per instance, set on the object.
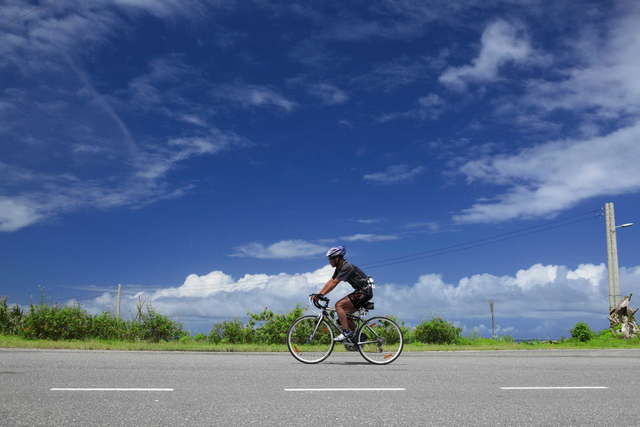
(372, 350)
(300, 350)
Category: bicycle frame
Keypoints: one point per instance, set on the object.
(357, 318)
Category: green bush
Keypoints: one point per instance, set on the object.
(199, 337)
(437, 331)
(273, 327)
(56, 323)
(231, 332)
(155, 327)
(107, 326)
(10, 318)
(582, 332)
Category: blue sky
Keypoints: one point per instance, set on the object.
(206, 153)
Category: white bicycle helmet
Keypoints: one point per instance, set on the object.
(337, 251)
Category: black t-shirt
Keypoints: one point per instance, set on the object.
(351, 274)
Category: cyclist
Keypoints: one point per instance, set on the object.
(347, 272)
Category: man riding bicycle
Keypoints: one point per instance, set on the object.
(347, 272)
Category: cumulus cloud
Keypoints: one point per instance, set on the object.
(554, 176)
(280, 250)
(502, 43)
(394, 174)
(539, 301)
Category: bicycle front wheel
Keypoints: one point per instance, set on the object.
(380, 340)
(310, 339)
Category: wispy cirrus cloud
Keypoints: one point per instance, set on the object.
(284, 249)
(105, 165)
(603, 94)
(502, 43)
(600, 83)
(328, 93)
(369, 220)
(430, 107)
(368, 237)
(247, 95)
(394, 174)
(554, 176)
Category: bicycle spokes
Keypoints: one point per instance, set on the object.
(310, 339)
(380, 340)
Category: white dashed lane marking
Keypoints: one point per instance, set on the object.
(555, 388)
(110, 389)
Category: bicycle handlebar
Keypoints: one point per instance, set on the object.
(321, 298)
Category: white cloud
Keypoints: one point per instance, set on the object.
(557, 175)
(193, 119)
(253, 96)
(364, 237)
(105, 165)
(283, 249)
(394, 174)
(541, 301)
(428, 225)
(603, 77)
(16, 213)
(429, 107)
(369, 220)
(165, 8)
(328, 93)
(157, 162)
(502, 43)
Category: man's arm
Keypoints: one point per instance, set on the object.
(328, 287)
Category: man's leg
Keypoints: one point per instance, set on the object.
(344, 307)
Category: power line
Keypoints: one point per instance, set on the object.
(484, 241)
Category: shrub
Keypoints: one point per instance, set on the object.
(155, 327)
(274, 327)
(231, 332)
(10, 318)
(108, 327)
(200, 337)
(437, 331)
(56, 323)
(582, 332)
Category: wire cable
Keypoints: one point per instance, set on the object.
(484, 241)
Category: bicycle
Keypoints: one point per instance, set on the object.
(310, 338)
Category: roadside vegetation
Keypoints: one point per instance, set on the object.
(71, 327)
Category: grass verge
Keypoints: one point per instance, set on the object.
(598, 342)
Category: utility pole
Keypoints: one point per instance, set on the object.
(493, 320)
(118, 301)
(612, 254)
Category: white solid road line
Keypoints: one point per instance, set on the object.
(552, 388)
(345, 389)
(110, 389)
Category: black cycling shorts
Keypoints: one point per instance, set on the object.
(360, 297)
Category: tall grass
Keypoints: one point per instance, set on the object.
(56, 322)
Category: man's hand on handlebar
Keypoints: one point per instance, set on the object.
(319, 297)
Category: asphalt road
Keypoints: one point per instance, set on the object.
(436, 388)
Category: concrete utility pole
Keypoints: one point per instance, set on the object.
(118, 301)
(493, 320)
(612, 254)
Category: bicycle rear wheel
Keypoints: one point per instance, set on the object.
(380, 340)
(310, 339)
